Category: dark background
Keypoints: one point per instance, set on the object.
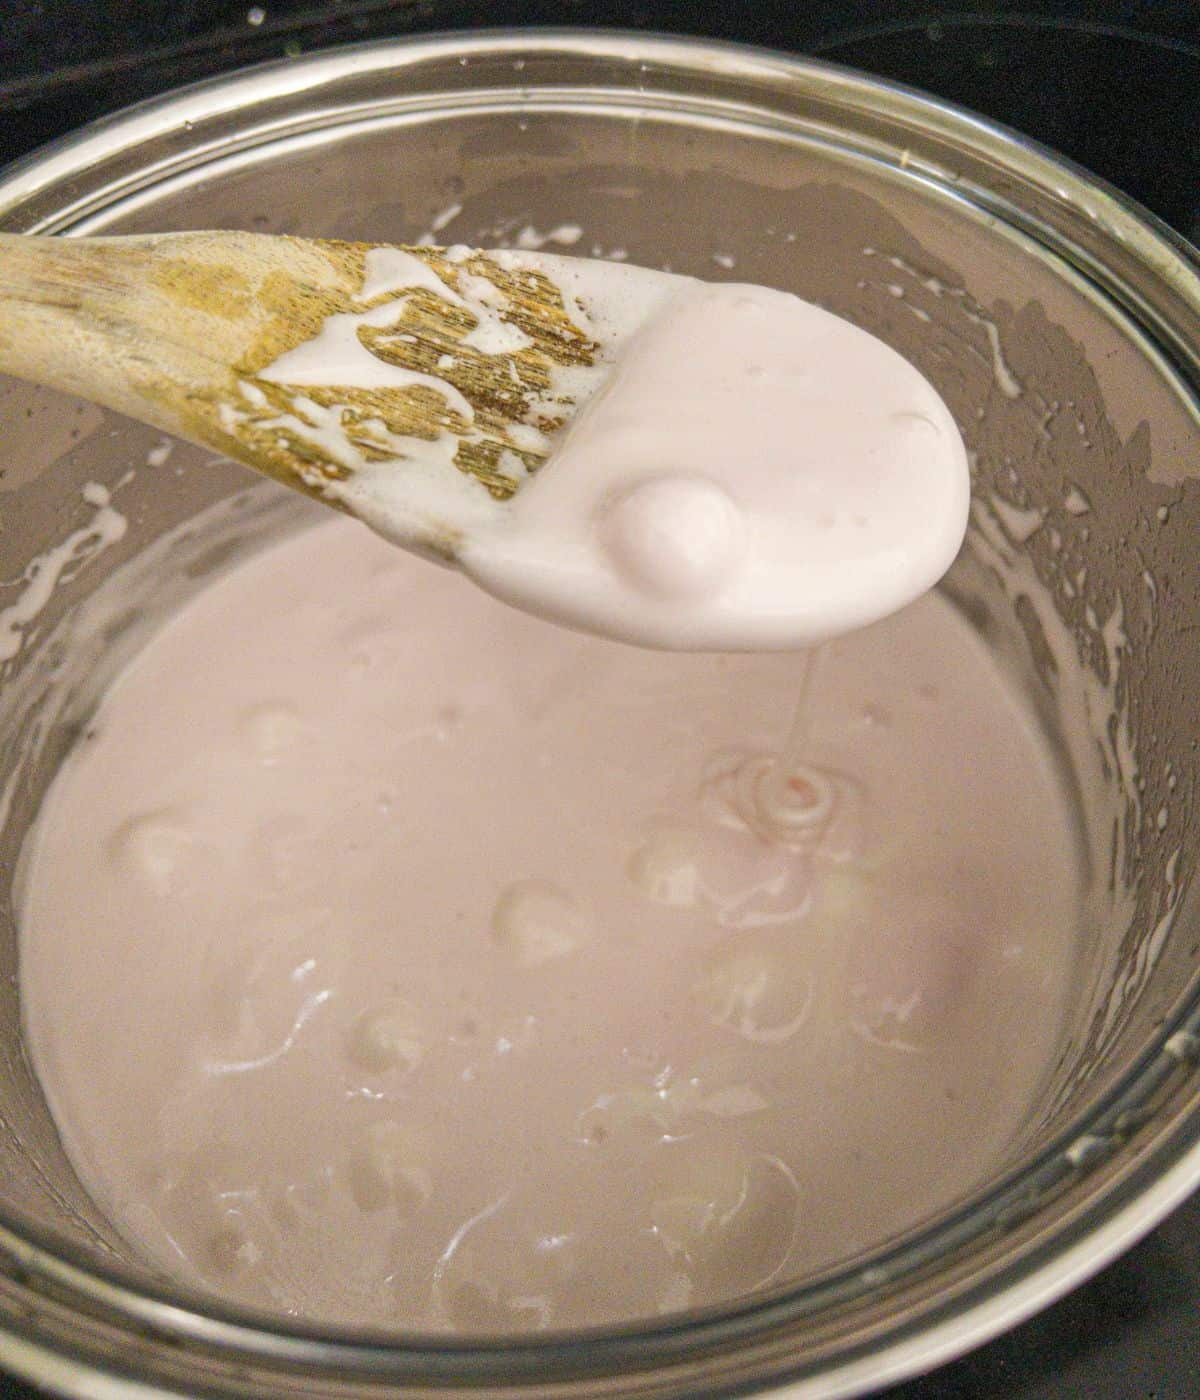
(1115, 85)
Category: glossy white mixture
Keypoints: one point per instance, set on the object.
(391, 957)
(756, 473)
(743, 471)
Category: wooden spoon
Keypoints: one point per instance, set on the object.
(324, 363)
(762, 473)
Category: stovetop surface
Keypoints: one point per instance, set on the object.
(1115, 84)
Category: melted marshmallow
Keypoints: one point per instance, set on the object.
(388, 957)
(744, 470)
(754, 473)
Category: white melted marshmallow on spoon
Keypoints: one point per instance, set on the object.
(754, 473)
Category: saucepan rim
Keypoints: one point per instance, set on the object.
(1062, 1215)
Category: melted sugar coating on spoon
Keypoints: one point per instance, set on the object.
(744, 470)
(754, 473)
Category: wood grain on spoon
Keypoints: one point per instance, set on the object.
(177, 330)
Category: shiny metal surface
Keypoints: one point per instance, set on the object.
(1063, 327)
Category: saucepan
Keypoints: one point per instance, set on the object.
(1062, 326)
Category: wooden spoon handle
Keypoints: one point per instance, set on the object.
(153, 327)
